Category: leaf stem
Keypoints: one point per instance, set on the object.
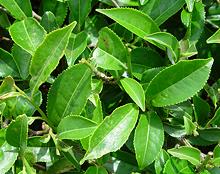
(44, 117)
(36, 16)
(99, 74)
(115, 3)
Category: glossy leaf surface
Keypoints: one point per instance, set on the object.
(75, 127)
(48, 54)
(78, 81)
(113, 132)
(149, 137)
(167, 89)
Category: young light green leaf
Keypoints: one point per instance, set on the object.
(75, 127)
(8, 66)
(165, 41)
(77, 44)
(189, 126)
(77, 82)
(19, 127)
(190, 4)
(160, 10)
(133, 20)
(135, 91)
(22, 59)
(96, 170)
(49, 22)
(113, 132)
(216, 155)
(28, 34)
(177, 166)
(107, 61)
(149, 137)
(143, 2)
(190, 154)
(8, 157)
(215, 38)
(13, 7)
(167, 89)
(79, 10)
(48, 54)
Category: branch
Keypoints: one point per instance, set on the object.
(36, 16)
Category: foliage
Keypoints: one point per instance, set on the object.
(109, 86)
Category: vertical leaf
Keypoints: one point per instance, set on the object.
(19, 127)
(22, 59)
(48, 54)
(8, 66)
(190, 4)
(148, 139)
(28, 34)
(8, 157)
(77, 82)
(79, 10)
(77, 44)
(49, 22)
(135, 91)
(113, 132)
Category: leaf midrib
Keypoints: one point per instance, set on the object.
(110, 131)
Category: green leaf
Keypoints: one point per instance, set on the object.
(49, 22)
(96, 170)
(8, 156)
(142, 2)
(135, 91)
(28, 34)
(22, 59)
(148, 139)
(106, 60)
(210, 134)
(165, 41)
(216, 155)
(215, 38)
(112, 44)
(197, 22)
(160, 161)
(59, 9)
(190, 4)
(190, 154)
(202, 110)
(189, 126)
(25, 6)
(113, 132)
(13, 7)
(8, 66)
(167, 89)
(77, 44)
(79, 10)
(77, 82)
(4, 21)
(160, 10)
(48, 54)
(19, 127)
(176, 166)
(216, 118)
(133, 20)
(75, 127)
